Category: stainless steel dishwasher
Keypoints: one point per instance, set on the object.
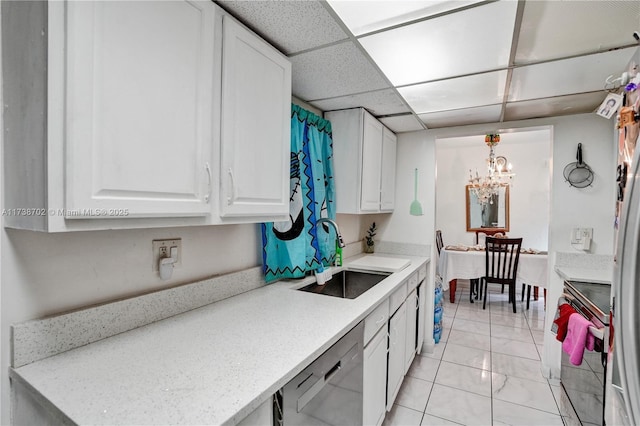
(329, 390)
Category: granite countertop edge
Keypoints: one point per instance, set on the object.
(599, 276)
(191, 360)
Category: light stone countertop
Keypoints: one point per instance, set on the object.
(600, 276)
(595, 268)
(211, 365)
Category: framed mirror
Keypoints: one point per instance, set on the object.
(490, 216)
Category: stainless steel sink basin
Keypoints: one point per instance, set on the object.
(347, 284)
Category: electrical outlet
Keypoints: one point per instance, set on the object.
(162, 248)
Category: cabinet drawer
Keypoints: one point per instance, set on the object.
(412, 282)
(422, 272)
(397, 298)
(376, 320)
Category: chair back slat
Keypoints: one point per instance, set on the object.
(439, 243)
(501, 260)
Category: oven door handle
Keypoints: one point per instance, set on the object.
(596, 332)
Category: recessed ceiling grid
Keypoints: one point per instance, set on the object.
(428, 64)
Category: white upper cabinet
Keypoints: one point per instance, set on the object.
(256, 125)
(371, 163)
(145, 114)
(139, 107)
(364, 154)
(388, 171)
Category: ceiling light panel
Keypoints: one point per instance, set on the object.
(473, 40)
(371, 15)
(556, 29)
(551, 107)
(461, 117)
(471, 91)
(568, 76)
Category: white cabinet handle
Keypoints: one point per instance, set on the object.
(381, 320)
(233, 187)
(208, 169)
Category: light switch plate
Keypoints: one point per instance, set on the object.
(162, 248)
(579, 234)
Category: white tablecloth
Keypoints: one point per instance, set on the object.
(532, 268)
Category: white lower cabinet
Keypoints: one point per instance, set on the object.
(397, 343)
(422, 310)
(412, 328)
(375, 379)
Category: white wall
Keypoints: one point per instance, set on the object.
(530, 153)
(413, 151)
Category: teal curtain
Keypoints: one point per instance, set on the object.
(295, 247)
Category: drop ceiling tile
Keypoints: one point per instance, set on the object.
(567, 76)
(462, 117)
(371, 15)
(333, 71)
(380, 102)
(550, 107)
(555, 29)
(473, 40)
(291, 26)
(402, 123)
(462, 92)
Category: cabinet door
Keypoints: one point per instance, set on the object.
(388, 171)
(371, 163)
(412, 328)
(395, 368)
(375, 379)
(139, 102)
(422, 307)
(256, 125)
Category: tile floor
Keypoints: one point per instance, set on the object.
(484, 371)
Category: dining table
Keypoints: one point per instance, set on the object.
(460, 262)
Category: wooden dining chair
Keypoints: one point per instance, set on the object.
(439, 243)
(501, 265)
(452, 283)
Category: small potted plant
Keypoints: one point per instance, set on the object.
(369, 246)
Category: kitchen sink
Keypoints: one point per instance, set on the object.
(347, 284)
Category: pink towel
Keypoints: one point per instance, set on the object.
(578, 338)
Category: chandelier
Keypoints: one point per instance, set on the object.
(499, 173)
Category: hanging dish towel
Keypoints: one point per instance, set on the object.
(561, 320)
(578, 338)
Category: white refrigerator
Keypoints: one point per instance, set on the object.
(622, 389)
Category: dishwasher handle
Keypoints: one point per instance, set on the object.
(315, 389)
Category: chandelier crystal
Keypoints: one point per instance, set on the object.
(499, 174)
